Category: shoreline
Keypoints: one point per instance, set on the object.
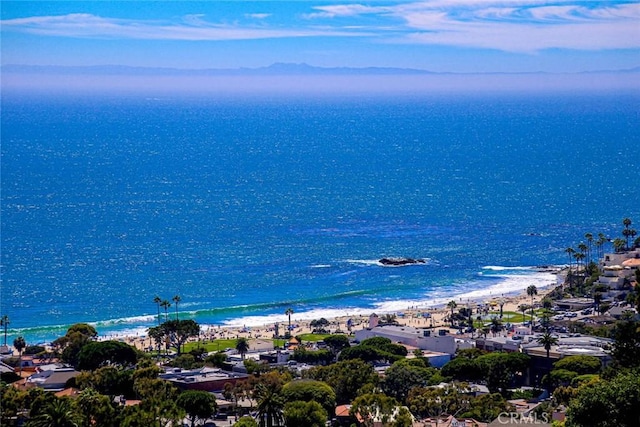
(511, 287)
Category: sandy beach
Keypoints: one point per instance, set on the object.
(412, 316)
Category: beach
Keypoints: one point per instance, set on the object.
(260, 336)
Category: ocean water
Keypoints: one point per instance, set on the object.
(248, 206)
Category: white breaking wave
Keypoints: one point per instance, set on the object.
(503, 268)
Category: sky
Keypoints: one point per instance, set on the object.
(462, 36)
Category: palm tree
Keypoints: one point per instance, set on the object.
(242, 345)
(4, 321)
(570, 252)
(452, 305)
(589, 238)
(57, 413)
(176, 299)
(602, 239)
(583, 248)
(618, 244)
(547, 340)
(597, 300)
(289, 311)
(627, 223)
(157, 300)
(501, 304)
(19, 344)
(523, 309)
(532, 291)
(496, 325)
(165, 304)
(270, 405)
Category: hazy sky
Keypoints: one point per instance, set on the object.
(437, 35)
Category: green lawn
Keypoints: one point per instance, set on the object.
(215, 345)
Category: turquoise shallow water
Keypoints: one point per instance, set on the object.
(245, 207)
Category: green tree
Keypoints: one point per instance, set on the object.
(95, 409)
(532, 291)
(176, 299)
(462, 369)
(158, 405)
(523, 308)
(310, 390)
(496, 325)
(246, 421)
(452, 305)
(374, 407)
(242, 345)
(270, 405)
(77, 336)
(402, 376)
(289, 311)
(304, 414)
(499, 370)
(19, 344)
(607, 403)
(626, 347)
(547, 340)
(486, 407)
(199, 405)
(165, 304)
(4, 322)
(157, 300)
(346, 378)
(98, 353)
(337, 343)
(176, 332)
(627, 223)
(58, 413)
(581, 364)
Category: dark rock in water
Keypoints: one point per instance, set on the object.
(401, 261)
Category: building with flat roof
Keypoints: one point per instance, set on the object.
(206, 379)
(423, 338)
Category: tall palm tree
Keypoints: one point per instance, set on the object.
(532, 291)
(19, 344)
(176, 299)
(627, 223)
(4, 322)
(547, 340)
(165, 304)
(501, 303)
(579, 257)
(602, 239)
(570, 251)
(583, 250)
(270, 405)
(242, 345)
(157, 300)
(452, 305)
(589, 238)
(523, 309)
(289, 311)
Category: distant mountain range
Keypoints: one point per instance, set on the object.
(277, 69)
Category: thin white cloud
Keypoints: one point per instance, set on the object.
(508, 25)
(257, 15)
(344, 10)
(192, 28)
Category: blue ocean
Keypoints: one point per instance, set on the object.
(245, 207)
